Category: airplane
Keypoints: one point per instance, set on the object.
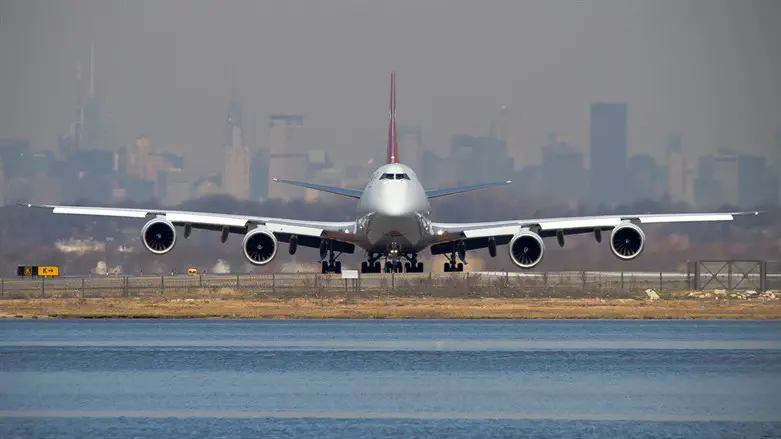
(393, 224)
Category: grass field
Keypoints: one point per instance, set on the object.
(389, 308)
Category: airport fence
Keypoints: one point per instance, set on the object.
(292, 285)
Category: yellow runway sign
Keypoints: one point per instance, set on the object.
(48, 270)
(38, 270)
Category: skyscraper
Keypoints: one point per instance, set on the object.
(563, 171)
(480, 159)
(2, 184)
(283, 148)
(236, 171)
(678, 177)
(608, 152)
(411, 143)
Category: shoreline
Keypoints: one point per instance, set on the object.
(388, 308)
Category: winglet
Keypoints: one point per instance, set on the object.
(393, 134)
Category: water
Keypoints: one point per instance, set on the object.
(243, 378)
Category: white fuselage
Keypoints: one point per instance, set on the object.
(394, 211)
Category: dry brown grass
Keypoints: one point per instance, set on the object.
(389, 308)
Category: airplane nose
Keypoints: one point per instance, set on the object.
(392, 208)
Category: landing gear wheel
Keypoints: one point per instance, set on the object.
(364, 267)
(408, 267)
(325, 267)
(419, 267)
(338, 267)
(447, 267)
(377, 267)
(460, 267)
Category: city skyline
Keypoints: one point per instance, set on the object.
(683, 68)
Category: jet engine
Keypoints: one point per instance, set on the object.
(526, 249)
(260, 246)
(627, 241)
(159, 236)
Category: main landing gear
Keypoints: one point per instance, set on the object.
(332, 265)
(451, 266)
(392, 265)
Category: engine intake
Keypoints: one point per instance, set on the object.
(158, 236)
(526, 249)
(627, 241)
(260, 246)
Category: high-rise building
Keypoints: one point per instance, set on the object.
(14, 154)
(259, 174)
(725, 171)
(2, 184)
(717, 179)
(236, 171)
(284, 148)
(608, 135)
(499, 126)
(678, 177)
(411, 145)
(563, 172)
(776, 176)
(754, 178)
(177, 187)
(480, 159)
(646, 179)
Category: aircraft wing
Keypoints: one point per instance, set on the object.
(476, 235)
(436, 193)
(351, 193)
(309, 233)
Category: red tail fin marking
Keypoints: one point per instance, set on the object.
(393, 137)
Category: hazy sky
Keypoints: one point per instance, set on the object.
(709, 69)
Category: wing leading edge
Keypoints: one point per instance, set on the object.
(351, 193)
(435, 193)
(476, 233)
(309, 233)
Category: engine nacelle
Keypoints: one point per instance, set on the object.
(260, 246)
(526, 249)
(627, 241)
(158, 236)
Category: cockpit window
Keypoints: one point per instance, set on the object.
(394, 177)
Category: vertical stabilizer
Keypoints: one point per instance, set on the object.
(393, 134)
